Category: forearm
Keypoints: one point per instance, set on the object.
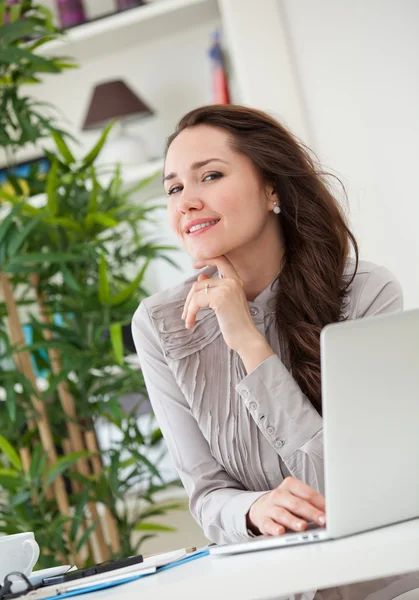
(286, 418)
(222, 513)
(254, 351)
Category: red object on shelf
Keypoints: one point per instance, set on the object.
(220, 91)
(71, 12)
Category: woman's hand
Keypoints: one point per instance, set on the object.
(289, 506)
(227, 298)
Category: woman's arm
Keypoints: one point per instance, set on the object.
(283, 413)
(218, 502)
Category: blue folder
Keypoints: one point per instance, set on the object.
(127, 579)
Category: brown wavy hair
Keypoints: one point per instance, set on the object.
(312, 289)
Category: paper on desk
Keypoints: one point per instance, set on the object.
(89, 584)
(117, 577)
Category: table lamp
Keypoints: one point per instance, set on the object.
(115, 100)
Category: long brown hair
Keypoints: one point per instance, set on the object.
(311, 288)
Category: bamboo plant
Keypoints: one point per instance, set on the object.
(72, 268)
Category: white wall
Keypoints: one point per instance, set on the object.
(170, 77)
(358, 67)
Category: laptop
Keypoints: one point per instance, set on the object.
(370, 391)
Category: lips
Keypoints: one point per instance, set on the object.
(199, 222)
(202, 230)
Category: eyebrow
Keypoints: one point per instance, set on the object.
(195, 166)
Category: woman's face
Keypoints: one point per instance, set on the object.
(211, 186)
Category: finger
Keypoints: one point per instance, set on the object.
(224, 266)
(191, 292)
(200, 300)
(194, 289)
(301, 508)
(304, 491)
(284, 517)
(271, 527)
(187, 301)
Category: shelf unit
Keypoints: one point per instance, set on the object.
(124, 29)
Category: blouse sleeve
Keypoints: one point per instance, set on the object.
(284, 414)
(218, 502)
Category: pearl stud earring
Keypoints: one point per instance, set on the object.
(276, 208)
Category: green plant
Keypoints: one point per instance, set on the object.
(80, 246)
(75, 258)
(24, 120)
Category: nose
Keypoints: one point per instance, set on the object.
(189, 201)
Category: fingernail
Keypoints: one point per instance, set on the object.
(322, 520)
(298, 525)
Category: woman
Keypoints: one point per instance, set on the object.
(231, 358)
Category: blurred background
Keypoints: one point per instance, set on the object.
(343, 75)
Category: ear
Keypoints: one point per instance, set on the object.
(272, 197)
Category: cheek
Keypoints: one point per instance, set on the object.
(173, 218)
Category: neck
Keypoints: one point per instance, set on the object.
(259, 262)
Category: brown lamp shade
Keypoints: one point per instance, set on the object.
(114, 100)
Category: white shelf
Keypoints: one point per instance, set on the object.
(127, 28)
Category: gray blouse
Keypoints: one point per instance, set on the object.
(233, 436)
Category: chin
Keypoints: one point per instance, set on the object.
(203, 254)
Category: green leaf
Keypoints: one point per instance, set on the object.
(63, 464)
(26, 208)
(15, 31)
(113, 473)
(79, 513)
(94, 152)
(130, 289)
(116, 341)
(92, 205)
(64, 222)
(17, 241)
(20, 498)
(64, 62)
(48, 16)
(152, 468)
(8, 220)
(84, 538)
(14, 12)
(9, 482)
(12, 56)
(51, 189)
(38, 460)
(45, 257)
(11, 400)
(156, 437)
(104, 289)
(101, 219)
(9, 473)
(160, 510)
(153, 527)
(2, 11)
(69, 279)
(7, 449)
(63, 148)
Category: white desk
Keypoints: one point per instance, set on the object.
(272, 573)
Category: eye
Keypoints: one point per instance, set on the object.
(212, 176)
(174, 190)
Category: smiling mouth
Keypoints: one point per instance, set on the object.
(197, 229)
